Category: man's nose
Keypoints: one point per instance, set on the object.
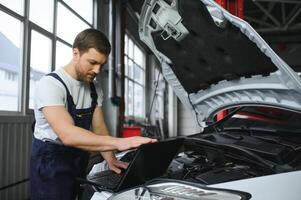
(97, 69)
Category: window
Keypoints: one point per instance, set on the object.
(41, 13)
(40, 61)
(66, 28)
(63, 54)
(10, 62)
(15, 5)
(134, 79)
(47, 50)
(85, 10)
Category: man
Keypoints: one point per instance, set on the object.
(69, 122)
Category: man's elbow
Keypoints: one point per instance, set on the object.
(67, 140)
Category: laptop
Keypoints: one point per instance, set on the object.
(150, 161)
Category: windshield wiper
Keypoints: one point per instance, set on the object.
(263, 129)
(245, 128)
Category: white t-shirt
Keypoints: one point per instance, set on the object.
(51, 92)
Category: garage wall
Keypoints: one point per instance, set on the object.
(110, 111)
(15, 145)
(187, 124)
(172, 109)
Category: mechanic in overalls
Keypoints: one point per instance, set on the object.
(69, 122)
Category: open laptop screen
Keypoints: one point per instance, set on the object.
(151, 161)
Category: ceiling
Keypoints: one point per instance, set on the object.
(278, 21)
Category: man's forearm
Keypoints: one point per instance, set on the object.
(108, 155)
(87, 140)
(77, 137)
(74, 136)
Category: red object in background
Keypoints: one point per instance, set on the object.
(130, 131)
(235, 7)
(223, 3)
(221, 115)
(261, 118)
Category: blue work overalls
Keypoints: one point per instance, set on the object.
(54, 167)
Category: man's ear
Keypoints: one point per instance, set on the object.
(75, 53)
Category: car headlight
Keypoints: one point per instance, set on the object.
(176, 191)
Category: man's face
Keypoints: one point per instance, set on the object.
(89, 64)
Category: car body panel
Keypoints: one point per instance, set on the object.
(280, 186)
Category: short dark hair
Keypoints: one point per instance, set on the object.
(92, 38)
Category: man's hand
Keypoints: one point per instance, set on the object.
(133, 142)
(117, 165)
(114, 164)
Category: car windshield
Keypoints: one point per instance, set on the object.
(265, 118)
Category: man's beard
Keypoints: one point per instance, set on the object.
(80, 75)
(91, 76)
(84, 77)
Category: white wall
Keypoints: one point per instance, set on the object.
(187, 124)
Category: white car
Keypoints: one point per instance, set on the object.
(215, 61)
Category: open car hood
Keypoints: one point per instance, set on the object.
(214, 60)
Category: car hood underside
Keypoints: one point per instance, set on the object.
(214, 60)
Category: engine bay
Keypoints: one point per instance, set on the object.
(234, 155)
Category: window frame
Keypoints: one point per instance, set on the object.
(127, 79)
(25, 48)
(22, 20)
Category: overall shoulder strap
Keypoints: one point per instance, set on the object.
(94, 95)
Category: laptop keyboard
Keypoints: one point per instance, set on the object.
(108, 179)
